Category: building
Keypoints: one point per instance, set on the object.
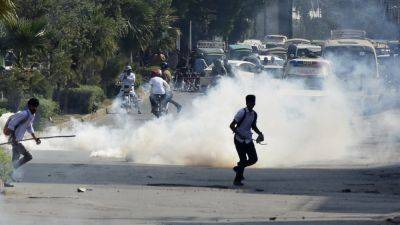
(274, 18)
(392, 8)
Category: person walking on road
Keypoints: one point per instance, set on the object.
(245, 120)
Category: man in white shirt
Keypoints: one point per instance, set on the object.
(158, 87)
(19, 124)
(245, 120)
(128, 79)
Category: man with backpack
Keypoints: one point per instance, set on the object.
(16, 127)
(245, 120)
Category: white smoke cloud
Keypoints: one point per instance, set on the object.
(300, 126)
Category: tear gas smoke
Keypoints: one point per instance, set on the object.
(300, 126)
(298, 129)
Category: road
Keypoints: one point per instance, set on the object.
(120, 192)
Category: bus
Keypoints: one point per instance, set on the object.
(354, 61)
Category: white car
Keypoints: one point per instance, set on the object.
(247, 69)
(309, 74)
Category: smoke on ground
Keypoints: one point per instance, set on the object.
(300, 127)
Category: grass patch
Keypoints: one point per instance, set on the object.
(5, 165)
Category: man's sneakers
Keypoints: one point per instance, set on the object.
(239, 178)
(8, 184)
(237, 183)
(236, 169)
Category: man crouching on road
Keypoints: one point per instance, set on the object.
(245, 120)
(18, 125)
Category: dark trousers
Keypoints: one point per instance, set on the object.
(17, 151)
(247, 155)
(155, 98)
(170, 100)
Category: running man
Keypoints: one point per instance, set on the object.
(245, 120)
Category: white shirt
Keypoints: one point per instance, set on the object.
(159, 86)
(128, 80)
(244, 130)
(22, 128)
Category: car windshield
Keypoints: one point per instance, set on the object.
(239, 54)
(308, 52)
(211, 58)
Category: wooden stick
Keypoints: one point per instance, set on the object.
(49, 137)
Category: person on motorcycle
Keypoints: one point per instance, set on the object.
(218, 69)
(200, 65)
(128, 79)
(166, 75)
(158, 89)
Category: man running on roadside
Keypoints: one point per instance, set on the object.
(19, 124)
(245, 120)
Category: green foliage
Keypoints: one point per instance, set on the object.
(139, 17)
(7, 10)
(84, 99)
(47, 109)
(20, 83)
(227, 18)
(110, 74)
(25, 36)
(60, 73)
(5, 165)
(3, 110)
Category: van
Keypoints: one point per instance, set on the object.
(353, 60)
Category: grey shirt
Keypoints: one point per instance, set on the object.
(244, 130)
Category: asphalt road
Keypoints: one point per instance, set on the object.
(119, 192)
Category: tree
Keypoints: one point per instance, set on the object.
(25, 36)
(139, 17)
(230, 19)
(7, 10)
(82, 31)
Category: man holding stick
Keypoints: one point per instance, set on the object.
(17, 126)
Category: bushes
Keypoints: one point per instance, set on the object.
(5, 165)
(47, 109)
(84, 99)
(3, 110)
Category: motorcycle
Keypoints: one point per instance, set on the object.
(160, 107)
(129, 101)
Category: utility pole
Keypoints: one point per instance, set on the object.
(190, 43)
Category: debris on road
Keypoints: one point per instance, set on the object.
(83, 189)
(272, 218)
(347, 190)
